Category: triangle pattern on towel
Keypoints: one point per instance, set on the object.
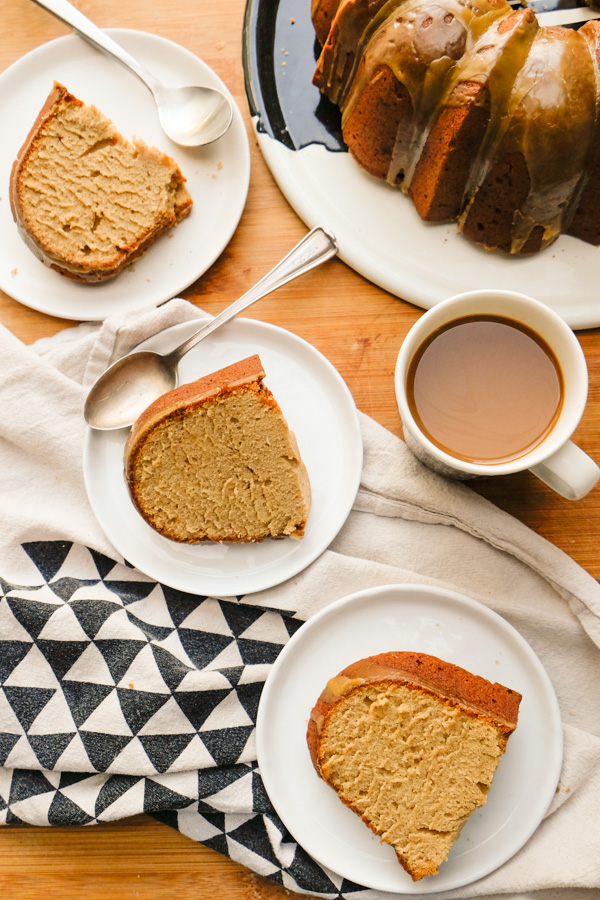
(119, 696)
(117, 656)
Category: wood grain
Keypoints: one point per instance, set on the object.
(359, 328)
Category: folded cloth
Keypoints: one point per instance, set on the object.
(120, 695)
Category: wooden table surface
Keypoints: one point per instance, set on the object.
(359, 328)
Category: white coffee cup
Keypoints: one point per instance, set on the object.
(555, 460)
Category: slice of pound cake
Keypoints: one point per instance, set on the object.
(86, 201)
(411, 743)
(215, 460)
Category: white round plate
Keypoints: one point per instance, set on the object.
(217, 175)
(378, 231)
(320, 411)
(454, 628)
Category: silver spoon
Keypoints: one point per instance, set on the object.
(127, 387)
(191, 116)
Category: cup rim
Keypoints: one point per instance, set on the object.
(569, 417)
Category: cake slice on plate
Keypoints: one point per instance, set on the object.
(215, 460)
(86, 201)
(411, 744)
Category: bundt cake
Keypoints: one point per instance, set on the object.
(86, 201)
(411, 744)
(215, 460)
(474, 110)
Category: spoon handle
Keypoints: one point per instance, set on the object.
(95, 36)
(317, 247)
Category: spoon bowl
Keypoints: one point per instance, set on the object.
(131, 383)
(191, 116)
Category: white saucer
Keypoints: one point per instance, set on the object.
(320, 411)
(454, 628)
(217, 175)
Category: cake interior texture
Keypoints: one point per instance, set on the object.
(414, 768)
(226, 468)
(88, 199)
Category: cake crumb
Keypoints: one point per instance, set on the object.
(14, 271)
(220, 45)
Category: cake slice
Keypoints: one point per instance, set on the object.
(469, 123)
(86, 201)
(411, 744)
(528, 192)
(438, 185)
(215, 460)
(351, 21)
(380, 121)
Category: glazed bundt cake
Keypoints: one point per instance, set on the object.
(214, 460)
(411, 743)
(474, 110)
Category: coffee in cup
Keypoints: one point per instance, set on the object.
(492, 382)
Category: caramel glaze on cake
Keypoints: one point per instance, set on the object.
(411, 744)
(474, 110)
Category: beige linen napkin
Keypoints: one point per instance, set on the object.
(408, 525)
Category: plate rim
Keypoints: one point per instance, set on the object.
(336, 609)
(241, 150)
(234, 584)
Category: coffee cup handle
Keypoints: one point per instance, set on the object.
(570, 472)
